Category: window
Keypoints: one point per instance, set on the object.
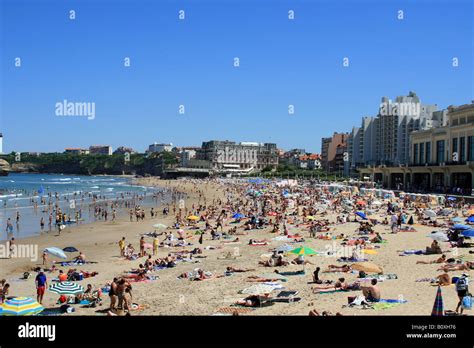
(455, 148)
(422, 152)
(440, 151)
(428, 152)
(415, 153)
(470, 148)
(462, 147)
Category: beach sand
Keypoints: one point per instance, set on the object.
(171, 296)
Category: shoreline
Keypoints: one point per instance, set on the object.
(171, 296)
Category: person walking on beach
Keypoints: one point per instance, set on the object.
(41, 283)
(462, 288)
(156, 243)
(394, 222)
(113, 294)
(122, 244)
(142, 246)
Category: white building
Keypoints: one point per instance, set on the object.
(158, 148)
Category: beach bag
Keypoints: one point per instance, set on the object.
(467, 302)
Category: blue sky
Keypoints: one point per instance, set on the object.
(190, 62)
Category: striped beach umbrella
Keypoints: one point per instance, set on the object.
(303, 251)
(66, 288)
(21, 306)
(438, 307)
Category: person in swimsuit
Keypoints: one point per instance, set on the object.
(372, 292)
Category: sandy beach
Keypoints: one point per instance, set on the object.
(169, 295)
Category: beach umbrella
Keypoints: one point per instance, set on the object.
(284, 248)
(439, 236)
(470, 219)
(66, 288)
(303, 251)
(460, 227)
(430, 213)
(367, 267)
(272, 213)
(456, 219)
(470, 211)
(70, 249)
(468, 233)
(311, 218)
(361, 215)
(158, 226)
(369, 251)
(193, 217)
(238, 216)
(56, 252)
(360, 202)
(21, 306)
(438, 307)
(377, 203)
(258, 289)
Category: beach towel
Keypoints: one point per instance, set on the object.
(388, 300)
(292, 273)
(383, 305)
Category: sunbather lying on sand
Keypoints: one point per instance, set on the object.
(258, 242)
(335, 268)
(442, 259)
(457, 267)
(252, 301)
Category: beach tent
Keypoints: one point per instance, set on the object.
(56, 252)
(468, 233)
(66, 288)
(21, 306)
(470, 219)
(410, 221)
(367, 267)
(438, 307)
(470, 211)
(361, 215)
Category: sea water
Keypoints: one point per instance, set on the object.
(18, 192)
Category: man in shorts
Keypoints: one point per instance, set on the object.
(462, 288)
(41, 283)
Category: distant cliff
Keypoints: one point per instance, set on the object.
(4, 167)
(136, 164)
